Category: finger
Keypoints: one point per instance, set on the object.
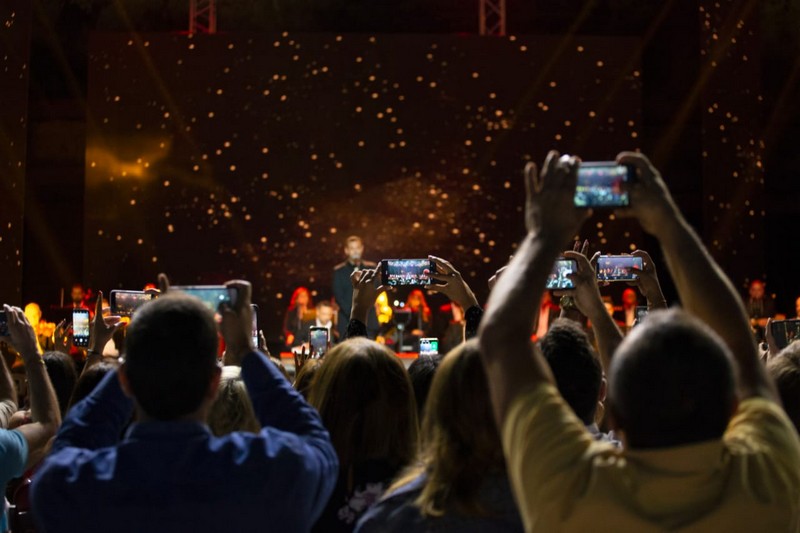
(355, 277)
(163, 283)
(593, 260)
(580, 260)
(531, 179)
(447, 266)
(243, 290)
(585, 248)
(576, 245)
(112, 320)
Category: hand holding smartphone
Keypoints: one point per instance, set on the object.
(80, 327)
(604, 184)
(785, 332)
(406, 272)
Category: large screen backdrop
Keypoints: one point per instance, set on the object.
(255, 156)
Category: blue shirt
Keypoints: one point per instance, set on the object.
(14, 454)
(177, 476)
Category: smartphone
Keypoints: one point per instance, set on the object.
(125, 303)
(785, 332)
(558, 276)
(428, 346)
(80, 327)
(641, 312)
(604, 184)
(406, 272)
(619, 267)
(211, 295)
(3, 325)
(255, 324)
(318, 341)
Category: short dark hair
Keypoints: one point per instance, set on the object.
(421, 373)
(575, 366)
(90, 378)
(171, 355)
(785, 370)
(62, 374)
(672, 382)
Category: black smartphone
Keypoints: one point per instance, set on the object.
(406, 272)
(125, 303)
(558, 276)
(428, 346)
(255, 324)
(318, 341)
(619, 267)
(604, 184)
(3, 325)
(80, 327)
(785, 332)
(211, 295)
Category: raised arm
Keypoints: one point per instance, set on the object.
(8, 394)
(102, 330)
(365, 291)
(648, 283)
(551, 218)
(452, 284)
(589, 302)
(45, 414)
(703, 288)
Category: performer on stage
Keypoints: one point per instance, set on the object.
(343, 289)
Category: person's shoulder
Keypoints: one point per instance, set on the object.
(369, 264)
(340, 266)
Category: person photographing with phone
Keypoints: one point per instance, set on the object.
(168, 472)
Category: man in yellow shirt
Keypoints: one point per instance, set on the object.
(704, 452)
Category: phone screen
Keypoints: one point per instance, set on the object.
(558, 276)
(618, 267)
(80, 327)
(641, 313)
(255, 324)
(211, 295)
(785, 332)
(405, 272)
(428, 346)
(125, 303)
(3, 324)
(603, 184)
(318, 341)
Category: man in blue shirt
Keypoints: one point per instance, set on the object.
(169, 473)
(24, 446)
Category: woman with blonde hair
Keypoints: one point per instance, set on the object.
(232, 410)
(459, 481)
(365, 399)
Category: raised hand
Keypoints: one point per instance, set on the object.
(102, 328)
(651, 201)
(237, 323)
(549, 201)
(451, 284)
(366, 288)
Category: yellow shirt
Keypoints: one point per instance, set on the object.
(563, 480)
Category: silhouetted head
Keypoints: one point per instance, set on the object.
(671, 382)
(171, 356)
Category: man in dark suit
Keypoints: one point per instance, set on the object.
(343, 289)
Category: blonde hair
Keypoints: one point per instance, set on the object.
(365, 399)
(460, 442)
(232, 409)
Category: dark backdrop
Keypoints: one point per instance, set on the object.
(254, 156)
